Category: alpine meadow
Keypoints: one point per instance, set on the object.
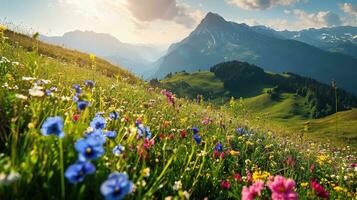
(178, 99)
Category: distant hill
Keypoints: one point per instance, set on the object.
(134, 57)
(216, 40)
(308, 98)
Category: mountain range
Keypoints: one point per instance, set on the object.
(134, 57)
(323, 54)
(216, 40)
(342, 39)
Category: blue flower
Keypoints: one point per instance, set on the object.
(54, 89)
(116, 186)
(147, 133)
(75, 98)
(97, 135)
(77, 172)
(219, 147)
(114, 115)
(89, 83)
(118, 149)
(48, 92)
(195, 130)
(110, 134)
(81, 105)
(77, 88)
(197, 138)
(241, 131)
(141, 130)
(89, 148)
(98, 122)
(53, 126)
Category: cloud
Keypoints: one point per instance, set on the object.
(319, 19)
(167, 10)
(261, 4)
(349, 9)
(302, 20)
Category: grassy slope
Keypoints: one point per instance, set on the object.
(36, 158)
(288, 111)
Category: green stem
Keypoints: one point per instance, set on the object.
(63, 193)
(336, 110)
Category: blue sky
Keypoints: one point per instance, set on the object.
(167, 21)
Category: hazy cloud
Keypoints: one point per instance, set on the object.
(261, 4)
(168, 10)
(349, 8)
(319, 19)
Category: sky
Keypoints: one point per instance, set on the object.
(167, 21)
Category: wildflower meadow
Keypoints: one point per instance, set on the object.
(71, 129)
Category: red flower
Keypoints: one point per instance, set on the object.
(319, 189)
(225, 185)
(161, 136)
(290, 161)
(171, 136)
(215, 153)
(75, 117)
(237, 177)
(312, 168)
(183, 133)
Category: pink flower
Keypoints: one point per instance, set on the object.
(222, 155)
(282, 189)
(253, 191)
(319, 189)
(225, 185)
(148, 143)
(249, 177)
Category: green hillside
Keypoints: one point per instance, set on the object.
(288, 111)
(75, 127)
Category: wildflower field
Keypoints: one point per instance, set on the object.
(71, 128)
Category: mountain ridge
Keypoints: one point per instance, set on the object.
(134, 57)
(205, 47)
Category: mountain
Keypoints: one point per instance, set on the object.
(216, 40)
(240, 79)
(341, 39)
(134, 57)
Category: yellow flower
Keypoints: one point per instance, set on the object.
(92, 57)
(2, 28)
(304, 184)
(260, 175)
(145, 172)
(234, 153)
(338, 189)
(321, 159)
(249, 143)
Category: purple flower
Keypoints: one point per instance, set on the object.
(195, 130)
(81, 105)
(197, 138)
(89, 83)
(77, 88)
